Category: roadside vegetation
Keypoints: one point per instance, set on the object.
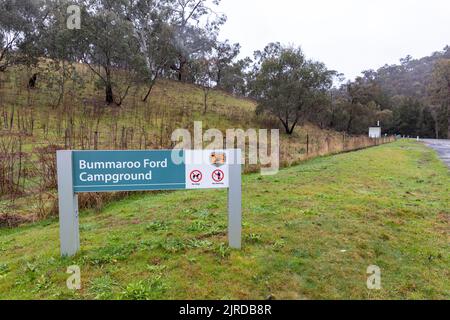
(310, 232)
(33, 128)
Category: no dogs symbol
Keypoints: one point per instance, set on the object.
(196, 176)
(218, 176)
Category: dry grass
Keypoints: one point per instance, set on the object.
(81, 121)
(309, 232)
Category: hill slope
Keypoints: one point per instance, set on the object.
(35, 123)
(309, 232)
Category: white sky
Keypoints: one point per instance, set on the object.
(348, 35)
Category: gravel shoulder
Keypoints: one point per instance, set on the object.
(442, 147)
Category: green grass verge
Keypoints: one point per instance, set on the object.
(310, 232)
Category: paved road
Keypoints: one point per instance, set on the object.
(442, 147)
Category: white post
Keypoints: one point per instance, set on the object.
(235, 201)
(68, 205)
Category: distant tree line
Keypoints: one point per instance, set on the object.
(410, 99)
(127, 43)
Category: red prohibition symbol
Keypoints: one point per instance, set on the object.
(218, 175)
(196, 176)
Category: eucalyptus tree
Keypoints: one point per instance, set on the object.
(20, 23)
(288, 85)
(110, 49)
(63, 46)
(148, 19)
(195, 27)
(204, 67)
(225, 55)
(234, 77)
(440, 95)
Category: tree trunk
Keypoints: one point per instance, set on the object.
(149, 91)
(448, 109)
(205, 101)
(349, 123)
(109, 97)
(436, 128)
(291, 130)
(285, 125)
(448, 121)
(219, 78)
(182, 70)
(180, 76)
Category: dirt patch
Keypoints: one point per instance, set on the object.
(443, 223)
(8, 220)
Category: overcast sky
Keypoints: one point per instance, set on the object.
(348, 35)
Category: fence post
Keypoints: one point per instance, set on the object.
(95, 140)
(307, 143)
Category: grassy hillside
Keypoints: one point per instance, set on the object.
(33, 125)
(309, 232)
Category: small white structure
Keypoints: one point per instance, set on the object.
(375, 132)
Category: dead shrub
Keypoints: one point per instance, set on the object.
(9, 220)
(46, 166)
(12, 164)
(97, 201)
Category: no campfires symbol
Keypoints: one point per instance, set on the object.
(196, 176)
(218, 175)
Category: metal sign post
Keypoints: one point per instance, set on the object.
(68, 205)
(235, 203)
(109, 171)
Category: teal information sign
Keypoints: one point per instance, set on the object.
(108, 171)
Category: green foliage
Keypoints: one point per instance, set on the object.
(144, 289)
(158, 269)
(4, 269)
(172, 245)
(223, 251)
(279, 244)
(407, 117)
(111, 254)
(102, 288)
(409, 98)
(20, 30)
(199, 225)
(157, 226)
(440, 96)
(31, 271)
(254, 238)
(136, 291)
(289, 86)
(43, 283)
(199, 244)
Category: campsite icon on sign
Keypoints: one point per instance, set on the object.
(218, 159)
